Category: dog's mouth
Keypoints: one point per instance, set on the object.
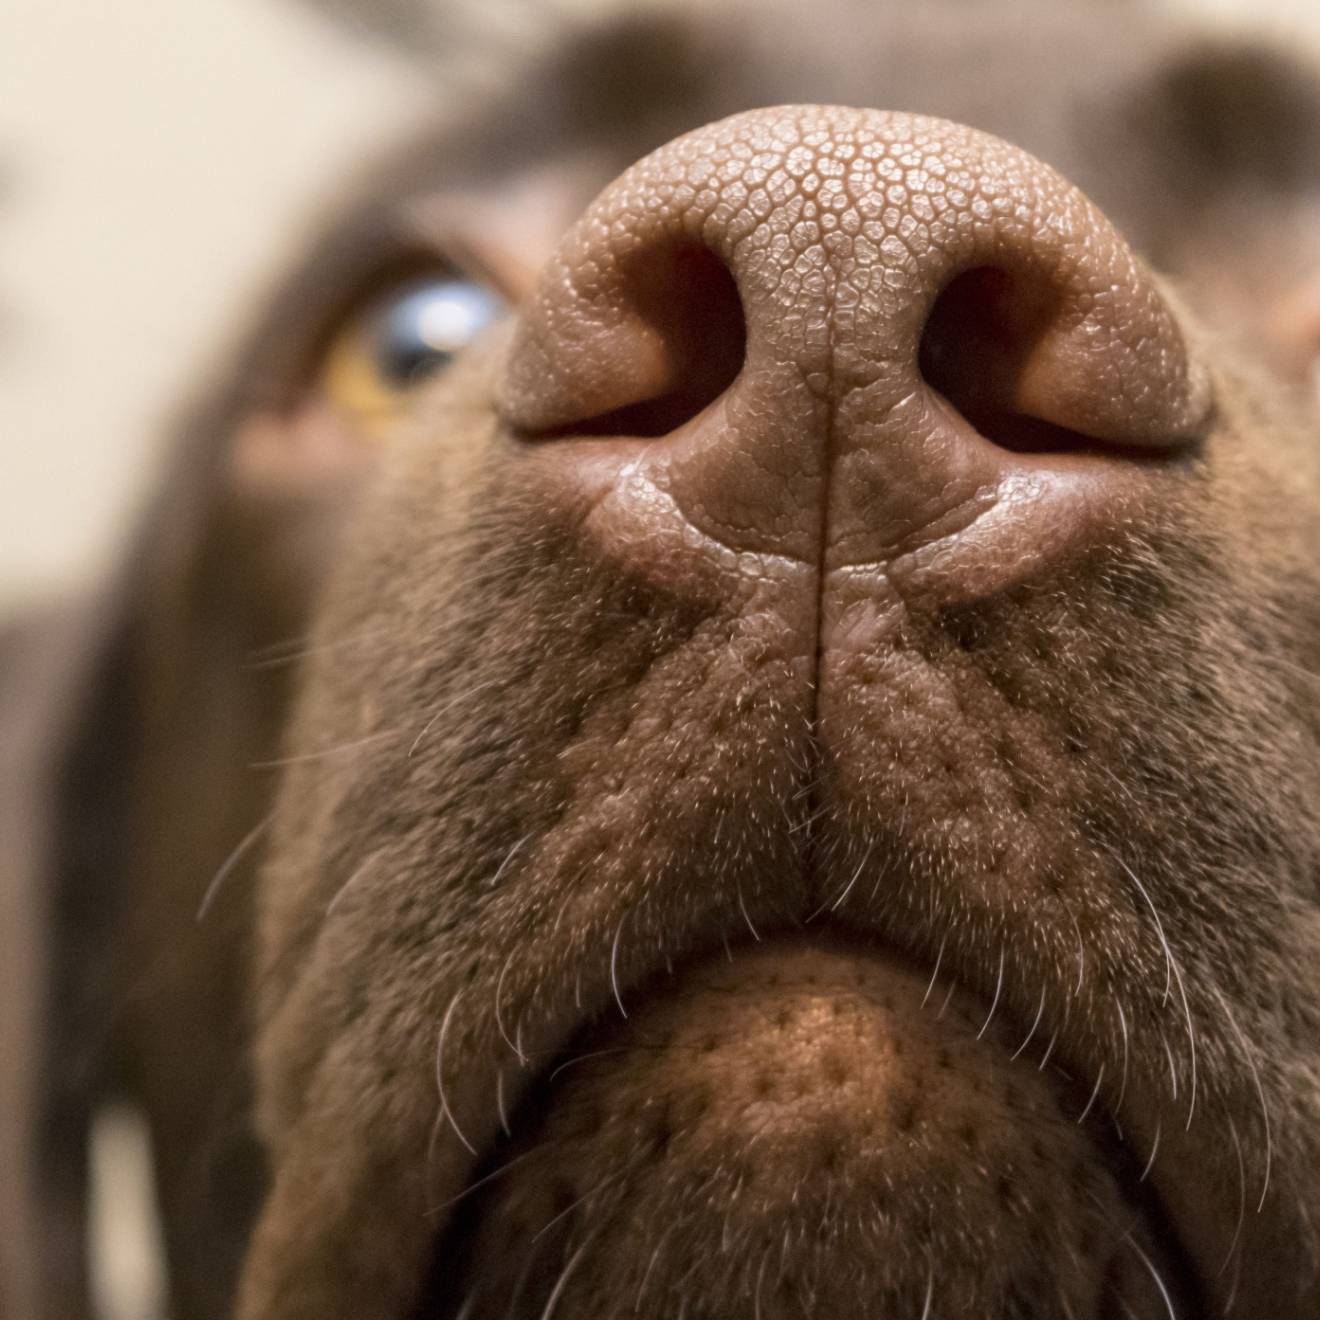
(806, 1127)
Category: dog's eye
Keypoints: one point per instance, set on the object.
(400, 339)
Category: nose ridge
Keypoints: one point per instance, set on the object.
(837, 327)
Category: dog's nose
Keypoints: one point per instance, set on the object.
(845, 336)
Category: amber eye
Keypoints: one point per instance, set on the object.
(400, 340)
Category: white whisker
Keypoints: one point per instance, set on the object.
(501, 1107)
(1242, 1197)
(1026, 1040)
(494, 881)
(1154, 1274)
(344, 888)
(994, 1003)
(445, 1111)
(1172, 971)
(742, 907)
(935, 975)
(1173, 1067)
(300, 648)
(447, 707)
(1122, 1086)
(573, 1205)
(1049, 1050)
(848, 888)
(245, 846)
(1250, 1059)
(651, 1264)
(614, 968)
(581, 1058)
(515, 1046)
(1154, 1150)
(562, 1282)
(321, 754)
(1081, 953)
(479, 1184)
(1095, 1095)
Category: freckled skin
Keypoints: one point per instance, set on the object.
(804, 1092)
(823, 655)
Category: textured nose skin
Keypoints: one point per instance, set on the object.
(930, 354)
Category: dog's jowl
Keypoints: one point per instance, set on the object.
(720, 715)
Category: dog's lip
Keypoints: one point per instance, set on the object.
(658, 977)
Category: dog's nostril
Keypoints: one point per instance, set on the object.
(685, 300)
(1012, 353)
(977, 340)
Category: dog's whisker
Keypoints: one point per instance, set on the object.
(935, 973)
(994, 1003)
(1242, 1197)
(1249, 1058)
(493, 882)
(325, 753)
(447, 707)
(848, 888)
(1154, 1274)
(1049, 1050)
(227, 868)
(614, 967)
(581, 1058)
(746, 916)
(445, 1110)
(1095, 1095)
(1035, 1022)
(573, 1205)
(650, 1266)
(1173, 973)
(1159, 927)
(1154, 1150)
(565, 1275)
(480, 1183)
(501, 1107)
(1081, 952)
(347, 885)
(298, 649)
(1173, 1067)
(1123, 1081)
(514, 1045)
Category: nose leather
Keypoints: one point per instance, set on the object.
(830, 444)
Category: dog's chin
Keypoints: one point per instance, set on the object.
(797, 1130)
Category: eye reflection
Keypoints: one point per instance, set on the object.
(398, 341)
(421, 330)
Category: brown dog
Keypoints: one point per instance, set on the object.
(786, 779)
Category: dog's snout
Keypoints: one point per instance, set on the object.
(844, 334)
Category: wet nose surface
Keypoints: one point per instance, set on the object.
(878, 345)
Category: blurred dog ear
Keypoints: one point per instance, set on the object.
(130, 724)
(141, 736)
(47, 663)
(1233, 131)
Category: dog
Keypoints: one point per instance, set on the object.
(719, 713)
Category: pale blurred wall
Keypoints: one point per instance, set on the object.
(154, 157)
